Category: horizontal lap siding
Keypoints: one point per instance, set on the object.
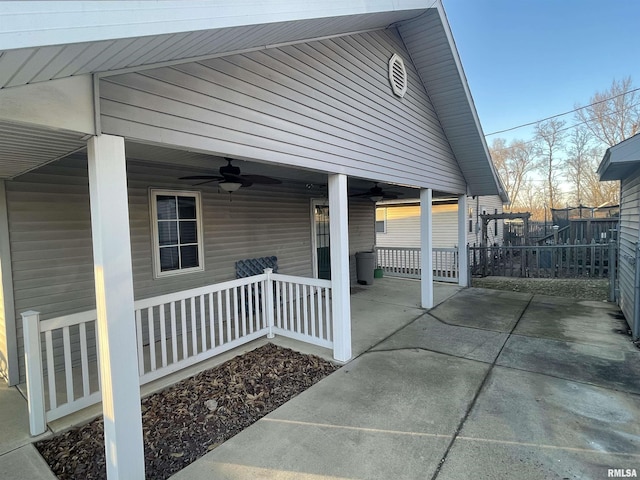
(403, 227)
(50, 227)
(50, 235)
(629, 231)
(325, 105)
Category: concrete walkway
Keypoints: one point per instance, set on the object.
(487, 385)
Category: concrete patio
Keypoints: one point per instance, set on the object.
(487, 384)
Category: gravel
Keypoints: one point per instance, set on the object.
(194, 416)
(580, 288)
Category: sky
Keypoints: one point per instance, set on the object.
(526, 60)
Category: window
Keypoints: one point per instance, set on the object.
(381, 220)
(177, 232)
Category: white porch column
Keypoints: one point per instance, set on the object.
(114, 303)
(340, 284)
(426, 247)
(463, 259)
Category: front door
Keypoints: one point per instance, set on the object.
(321, 248)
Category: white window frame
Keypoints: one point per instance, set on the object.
(153, 194)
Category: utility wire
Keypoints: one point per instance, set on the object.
(584, 122)
(561, 114)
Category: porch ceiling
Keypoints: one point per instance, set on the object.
(24, 148)
(195, 163)
(43, 41)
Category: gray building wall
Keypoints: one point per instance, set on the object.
(629, 237)
(325, 105)
(50, 234)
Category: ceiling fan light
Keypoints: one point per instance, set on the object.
(229, 187)
(376, 198)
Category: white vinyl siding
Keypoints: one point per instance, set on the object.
(49, 218)
(629, 235)
(325, 105)
(403, 224)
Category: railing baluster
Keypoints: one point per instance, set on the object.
(183, 324)
(212, 323)
(243, 312)
(51, 370)
(163, 336)
(278, 305)
(68, 368)
(174, 333)
(84, 359)
(312, 308)
(291, 300)
(220, 319)
(203, 324)
(321, 292)
(152, 338)
(227, 298)
(298, 313)
(305, 313)
(194, 325)
(328, 314)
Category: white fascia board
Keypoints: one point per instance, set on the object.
(25, 24)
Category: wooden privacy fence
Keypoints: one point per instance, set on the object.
(405, 262)
(173, 331)
(545, 261)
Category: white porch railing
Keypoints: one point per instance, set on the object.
(173, 331)
(405, 262)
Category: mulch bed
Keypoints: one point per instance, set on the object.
(194, 416)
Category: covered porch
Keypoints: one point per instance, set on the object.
(378, 311)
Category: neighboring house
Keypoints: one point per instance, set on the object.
(104, 109)
(398, 222)
(622, 162)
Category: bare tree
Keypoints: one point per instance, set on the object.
(550, 138)
(614, 114)
(513, 163)
(579, 162)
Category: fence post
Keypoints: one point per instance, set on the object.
(612, 270)
(269, 294)
(35, 376)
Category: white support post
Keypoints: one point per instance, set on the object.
(340, 284)
(35, 376)
(463, 256)
(114, 303)
(426, 247)
(269, 292)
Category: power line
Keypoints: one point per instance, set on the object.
(561, 114)
(527, 142)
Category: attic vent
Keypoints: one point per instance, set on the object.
(397, 76)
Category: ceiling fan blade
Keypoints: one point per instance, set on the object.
(362, 194)
(261, 179)
(389, 196)
(202, 177)
(205, 182)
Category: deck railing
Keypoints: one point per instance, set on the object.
(173, 331)
(548, 261)
(405, 262)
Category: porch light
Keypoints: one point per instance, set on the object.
(376, 198)
(229, 187)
